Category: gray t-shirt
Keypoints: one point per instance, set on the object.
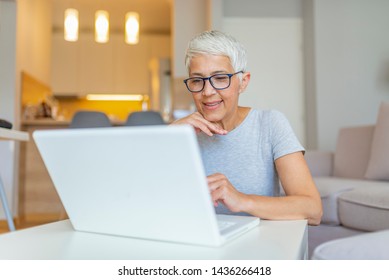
(246, 154)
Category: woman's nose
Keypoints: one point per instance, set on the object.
(208, 88)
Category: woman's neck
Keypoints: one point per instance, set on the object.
(236, 119)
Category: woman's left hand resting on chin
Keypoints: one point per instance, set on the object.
(199, 123)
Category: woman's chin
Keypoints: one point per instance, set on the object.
(212, 118)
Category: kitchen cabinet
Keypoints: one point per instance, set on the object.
(88, 67)
(37, 195)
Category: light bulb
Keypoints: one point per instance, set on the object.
(132, 28)
(101, 26)
(71, 25)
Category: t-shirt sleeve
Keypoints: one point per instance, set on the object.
(284, 140)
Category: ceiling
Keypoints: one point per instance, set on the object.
(154, 14)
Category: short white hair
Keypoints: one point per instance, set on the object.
(217, 43)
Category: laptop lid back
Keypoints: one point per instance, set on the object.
(146, 182)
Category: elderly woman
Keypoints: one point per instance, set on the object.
(246, 152)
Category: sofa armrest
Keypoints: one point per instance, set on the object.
(320, 163)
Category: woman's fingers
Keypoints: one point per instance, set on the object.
(223, 191)
(201, 124)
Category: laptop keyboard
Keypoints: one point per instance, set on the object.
(224, 225)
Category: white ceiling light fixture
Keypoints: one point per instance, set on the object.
(101, 26)
(132, 28)
(71, 24)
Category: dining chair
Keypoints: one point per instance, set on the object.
(89, 119)
(144, 118)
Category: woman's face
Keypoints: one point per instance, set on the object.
(220, 106)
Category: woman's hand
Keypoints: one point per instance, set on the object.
(223, 191)
(201, 124)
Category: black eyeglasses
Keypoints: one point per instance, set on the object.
(218, 81)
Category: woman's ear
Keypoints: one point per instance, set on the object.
(245, 81)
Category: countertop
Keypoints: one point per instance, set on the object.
(52, 122)
(45, 122)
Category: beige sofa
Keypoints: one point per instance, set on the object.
(354, 185)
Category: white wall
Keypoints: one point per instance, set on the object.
(8, 105)
(189, 17)
(351, 64)
(7, 60)
(34, 38)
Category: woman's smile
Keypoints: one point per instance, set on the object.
(212, 105)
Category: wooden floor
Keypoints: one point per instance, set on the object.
(30, 221)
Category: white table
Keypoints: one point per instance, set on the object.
(10, 134)
(271, 240)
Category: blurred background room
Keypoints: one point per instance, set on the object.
(323, 63)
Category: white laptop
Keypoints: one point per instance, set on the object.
(143, 182)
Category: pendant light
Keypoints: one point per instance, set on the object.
(132, 28)
(101, 26)
(71, 25)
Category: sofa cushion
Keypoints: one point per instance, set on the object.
(352, 152)
(365, 208)
(330, 188)
(365, 246)
(378, 166)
